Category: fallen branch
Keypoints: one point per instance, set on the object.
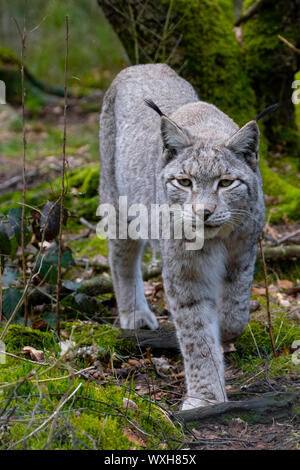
(275, 253)
(162, 339)
(103, 284)
(264, 409)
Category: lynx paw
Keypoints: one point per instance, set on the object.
(191, 403)
(139, 319)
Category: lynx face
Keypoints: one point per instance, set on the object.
(221, 178)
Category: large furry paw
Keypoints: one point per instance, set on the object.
(139, 319)
(191, 403)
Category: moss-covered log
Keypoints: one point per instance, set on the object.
(257, 410)
(10, 74)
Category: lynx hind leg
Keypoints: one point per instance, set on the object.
(235, 306)
(125, 263)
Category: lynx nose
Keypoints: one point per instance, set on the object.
(206, 214)
(206, 209)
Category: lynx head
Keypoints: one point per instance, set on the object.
(220, 174)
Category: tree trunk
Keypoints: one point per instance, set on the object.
(271, 64)
(196, 38)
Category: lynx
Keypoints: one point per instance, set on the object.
(179, 149)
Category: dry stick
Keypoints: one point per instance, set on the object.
(289, 44)
(267, 298)
(62, 180)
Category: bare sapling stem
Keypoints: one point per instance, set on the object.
(23, 40)
(62, 198)
(267, 299)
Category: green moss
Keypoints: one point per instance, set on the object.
(286, 197)
(213, 57)
(105, 336)
(96, 416)
(19, 336)
(90, 247)
(256, 339)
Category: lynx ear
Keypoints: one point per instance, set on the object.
(245, 143)
(173, 136)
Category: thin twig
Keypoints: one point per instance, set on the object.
(61, 218)
(267, 298)
(289, 44)
(47, 420)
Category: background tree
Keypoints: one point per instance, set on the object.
(241, 77)
(271, 65)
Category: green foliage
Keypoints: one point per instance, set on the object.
(10, 300)
(10, 232)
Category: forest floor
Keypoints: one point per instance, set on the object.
(155, 375)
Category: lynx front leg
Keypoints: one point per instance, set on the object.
(125, 263)
(235, 306)
(196, 321)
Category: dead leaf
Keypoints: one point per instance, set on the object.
(134, 362)
(35, 354)
(129, 404)
(258, 290)
(285, 284)
(135, 437)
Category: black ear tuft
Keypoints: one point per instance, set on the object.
(269, 109)
(152, 105)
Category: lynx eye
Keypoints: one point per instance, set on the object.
(225, 183)
(185, 182)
